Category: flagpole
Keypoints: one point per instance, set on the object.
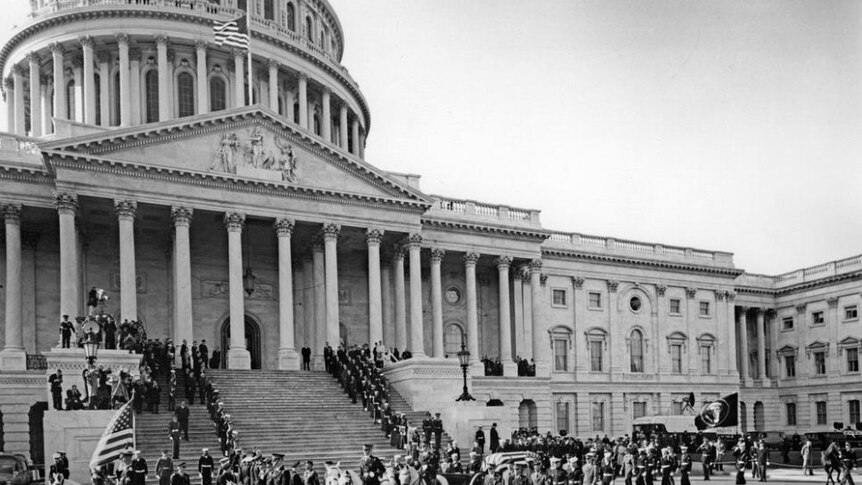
(248, 29)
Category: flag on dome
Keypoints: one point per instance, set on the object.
(233, 32)
(118, 435)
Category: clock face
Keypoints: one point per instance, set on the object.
(453, 295)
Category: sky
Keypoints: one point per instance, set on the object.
(732, 125)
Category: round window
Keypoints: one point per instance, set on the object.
(635, 304)
(453, 295)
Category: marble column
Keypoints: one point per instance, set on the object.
(125, 75)
(288, 106)
(13, 356)
(541, 341)
(761, 344)
(273, 65)
(104, 88)
(308, 300)
(47, 106)
(59, 80)
(184, 325)
(470, 261)
(126, 210)
(375, 305)
(386, 301)
(9, 103)
(330, 239)
(202, 84)
(35, 95)
(238, 356)
(732, 368)
(164, 78)
(326, 116)
(437, 303)
(20, 120)
(319, 264)
(135, 113)
(742, 339)
(417, 333)
(342, 130)
(78, 88)
(303, 101)
(239, 77)
(354, 147)
(400, 302)
(288, 357)
(509, 368)
(67, 207)
(89, 80)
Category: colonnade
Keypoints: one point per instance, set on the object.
(760, 370)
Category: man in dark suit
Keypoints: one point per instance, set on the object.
(66, 329)
(762, 458)
(73, 399)
(370, 467)
(56, 381)
(480, 439)
(205, 467)
(204, 352)
(306, 358)
(495, 438)
(182, 414)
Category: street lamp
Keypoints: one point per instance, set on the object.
(464, 360)
(91, 347)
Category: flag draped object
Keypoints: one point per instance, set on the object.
(233, 32)
(118, 435)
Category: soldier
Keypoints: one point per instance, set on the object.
(685, 467)
(225, 474)
(371, 469)
(557, 475)
(56, 381)
(139, 469)
(848, 462)
(437, 428)
(309, 477)
(495, 438)
(182, 415)
(427, 427)
(172, 390)
(707, 450)
(306, 358)
(164, 468)
(205, 467)
(56, 475)
(174, 433)
(520, 478)
(66, 329)
(180, 477)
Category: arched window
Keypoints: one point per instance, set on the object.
(268, 10)
(636, 350)
(295, 117)
(115, 119)
(453, 338)
(218, 94)
(97, 80)
(70, 100)
(151, 92)
(309, 30)
(185, 94)
(291, 17)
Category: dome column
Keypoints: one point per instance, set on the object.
(134, 86)
(46, 105)
(272, 65)
(238, 356)
(125, 95)
(9, 105)
(326, 117)
(342, 119)
(201, 67)
(59, 80)
(35, 95)
(104, 88)
(164, 78)
(239, 77)
(18, 79)
(89, 81)
(354, 147)
(303, 101)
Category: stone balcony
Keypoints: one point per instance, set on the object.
(804, 275)
(19, 150)
(480, 212)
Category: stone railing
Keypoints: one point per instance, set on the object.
(567, 240)
(20, 149)
(203, 8)
(480, 211)
(804, 275)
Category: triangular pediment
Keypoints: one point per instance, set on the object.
(244, 143)
(848, 342)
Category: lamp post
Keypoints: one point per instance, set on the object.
(91, 348)
(464, 360)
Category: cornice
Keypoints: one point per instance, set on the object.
(472, 227)
(664, 265)
(76, 161)
(808, 285)
(30, 175)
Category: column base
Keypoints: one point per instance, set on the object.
(510, 369)
(317, 362)
(288, 359)
(13, 359)
(476, 369)
(543, 369)
(238, 358)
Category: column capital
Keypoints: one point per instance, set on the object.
(325, 91)
(66, 202)
(11, 212)
(270, 63)
(19, 70)
(182, 216)
(770, 312)
(398, 254)
(503, 262)
(373, 236)
(104, 57)
(719, 295)
(577, 282)
(234, 221)
(56, 48)
(437, 255)
(535, 266)
(134, 55)
(77, 60)
(471, 258)
(800, 308)
(331, 231)
(759, 310)
(237, 52)
(613, 285)
(86, 40)
(126, 208)
(731, 295)
(660, 289)
(9, 83)
(317, 244)
(414, 240)
(162, 40)
(284, 227)
(302, 77)
(744, 309)
(832, 302)
(122, 38)
(200, 44)
(691, 292)
(33, 58)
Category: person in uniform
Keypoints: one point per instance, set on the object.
(707, 450)
(520, 478)
(557, 475)
(805, 452)
(180, 477)
(182, 415)
(848, 462)
(740, 471)
(55, 473)
(205, 467)
(309, 477)
(164, 468)
(588, 471)
(370, 467)
(174, 433)
(139, 469)
(66, 329)
(628, 467)
(762, 458)
(56, 381)
(204, 352)
(685, 466)
(437, 428)
(480, 439)
(123, 468)
(495, 438)
(666, 466)
(606, 469)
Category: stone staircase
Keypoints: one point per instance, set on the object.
(400, 405)
(303, 414)
(151, 432)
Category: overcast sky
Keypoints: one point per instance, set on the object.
(728, 125)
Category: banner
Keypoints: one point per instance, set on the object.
(721, 413)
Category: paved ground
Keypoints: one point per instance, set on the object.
(775, 475)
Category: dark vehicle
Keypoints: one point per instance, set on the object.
(821, 440)
(14, 470)
(772, 439)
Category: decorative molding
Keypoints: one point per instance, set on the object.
(33, 58)
(613, 285)
(719, 295)
(122, 38)
(731, 295)
(577, 282)
(543, 279)
(471, 258)
(691, 292)
(162, 40)
(86, 41)
(635, 262)
(832, 302)
(126, 208)
(535, 266)
(660, 289)
(817, 346)
(234, 221)
(181, 216)
(11, 213)
(66, 202)
(437, 255)
(284, 227)
(503, 262)
(414, 240)
(56, 48)
(331, 231)
(374, 236)
(800, 308)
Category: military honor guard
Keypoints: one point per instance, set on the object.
(848, 463)
(685, 466)
(205, 467)
(139, 469)
(174, 433)
(164, 468)
(371, 469)
(309, 477)
(180, 477)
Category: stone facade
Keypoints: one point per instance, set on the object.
(266, 222)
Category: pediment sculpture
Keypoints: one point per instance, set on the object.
(255, 157)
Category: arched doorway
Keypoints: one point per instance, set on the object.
(252, 341)
(527, 417)
(758, 416)
(37, 438)
(743, 417)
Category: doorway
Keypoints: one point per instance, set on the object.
(252, 341)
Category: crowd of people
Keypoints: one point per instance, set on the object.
(493, 367)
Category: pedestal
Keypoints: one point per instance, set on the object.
(510, 369)
(238, 359)
(288, 359)
(13, 360)
(543, 369)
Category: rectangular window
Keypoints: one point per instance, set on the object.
(817, 318)
(676, 358)
(596, 356)
(820, 406)
(675, 306)
(598, 416)
(676, 407)
(789, 366)
(562, 416)
(559, 297)
(787, 323)
(853, 408)
(561, 355)
(706, 359)
(595, 300)
(790, 408)
(638, 410)
(704, 308)
(820, 363)
(851, 312)
(852, 360)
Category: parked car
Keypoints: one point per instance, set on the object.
(772, 439)
(14, 470)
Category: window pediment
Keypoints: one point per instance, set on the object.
(817, 346)
(848, 343)
(677, 338)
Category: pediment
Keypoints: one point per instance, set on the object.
(848, 342)
(245, 143)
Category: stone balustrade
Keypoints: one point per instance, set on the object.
(484, 212)
(803, 275)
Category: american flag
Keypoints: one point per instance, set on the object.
(233, 32)
(117, 436)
